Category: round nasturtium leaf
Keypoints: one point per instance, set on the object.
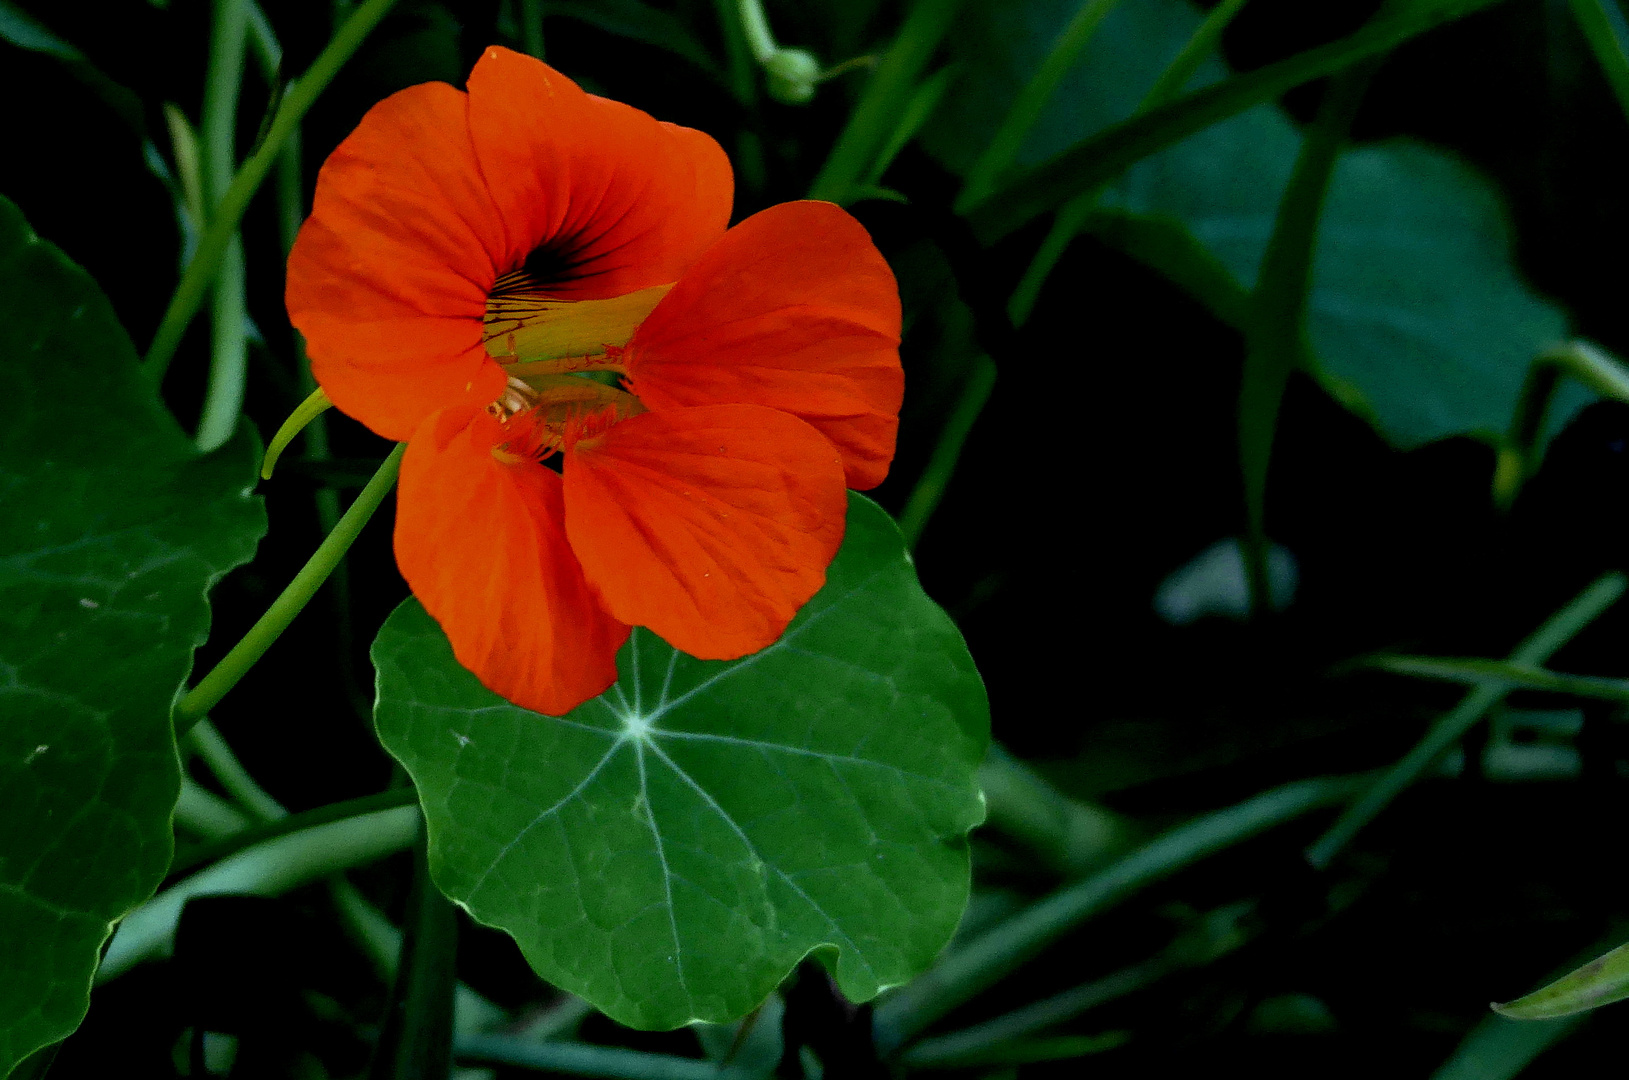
(1418, 317)
(112, 530)
(672, 848)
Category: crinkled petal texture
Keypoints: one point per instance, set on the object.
(482, 545)
(794, 309)
(619, 200)
(438, 193)
(711, 526)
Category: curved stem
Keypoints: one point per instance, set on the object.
(1026, 109)
(1000, 950)
(236, 663)
(212, 247)
(265, 869)
(886, 97)
(1559, 629)
(930, 488)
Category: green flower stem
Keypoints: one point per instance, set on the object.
(265, 869)
(206, 814)
(1603, 26)
(268, 51)
(415, 1040)
(1108, 153)
(1002, 150)
(917, 113)
(531, 27)
(1559, 629)
(217, 237)
(234, 664)
(1074, 214)
(999, 951)
(930, 488)
(586, 1059)
(1588, 364)
(743, 77)
(229, 771)
(1477, 671)
(229, 351)
(1070, 837)
(755, 30)
(884, 100)
(260, 832)
(1276, 336)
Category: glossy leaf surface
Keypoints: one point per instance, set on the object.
(1418, 320)
(671, 849)
(112, 530)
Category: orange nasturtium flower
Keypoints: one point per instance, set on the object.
(525, 269)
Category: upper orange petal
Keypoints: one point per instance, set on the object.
(483, 546)
(796, 309)
(624, 200)
(388, 279)
(712, 526)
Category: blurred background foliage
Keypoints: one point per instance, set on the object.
(1474, 225)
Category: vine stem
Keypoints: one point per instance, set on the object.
(223, 226)
(246, 652)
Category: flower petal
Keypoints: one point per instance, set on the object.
(794, 309)
(621, 199)
(388, 279)
(712, 526)
(483, 546)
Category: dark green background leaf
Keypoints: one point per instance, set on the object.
(1419, 320)
(111, 531)
(671, 849)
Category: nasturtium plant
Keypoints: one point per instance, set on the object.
(1418, 318)
(112, 530)
(671, 849)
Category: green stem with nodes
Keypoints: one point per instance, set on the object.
(1002, 150)
(1561, 628)
(236, 663)
(531, 27)
(1588, 364)
(884, 100)
(1074, 214)
(1108, 153)
(999, 951)
(217, 237)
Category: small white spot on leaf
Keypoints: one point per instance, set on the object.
(87, 602)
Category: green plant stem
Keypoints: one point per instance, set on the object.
(884, 101)
(261, 832)
(1512, 676)
(217, 236)
(742, 70)
(229, 771)
(236, 663)
(265, 869)
(930, 488)
(415, 1042)
(586, 1059)
(1070, 837)
(268, 52)
(1276, 336)
(950, 1050)
(917, 112)
(1072, 217)
(1603, 27)
(755, 29)
(531, 27)
(999, 951)
(1002, 150)
(1108, 153)
(205, 813)
(1590, 365)
(229, 349)
(1559, 629)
